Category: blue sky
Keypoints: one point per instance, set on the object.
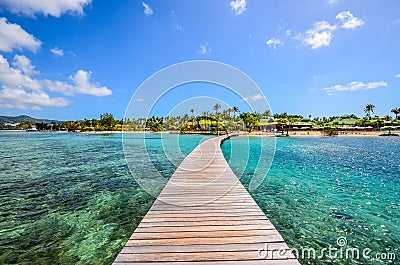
(71, 59)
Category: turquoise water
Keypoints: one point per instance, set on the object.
(69, 198)
(322, 189)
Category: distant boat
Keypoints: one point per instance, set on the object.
(32, 129)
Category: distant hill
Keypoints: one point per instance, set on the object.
(25, 118)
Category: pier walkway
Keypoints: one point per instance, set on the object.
(204, 215)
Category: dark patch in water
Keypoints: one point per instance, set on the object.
(342, 216)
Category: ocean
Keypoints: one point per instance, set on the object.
(324, 193)
(68, 198)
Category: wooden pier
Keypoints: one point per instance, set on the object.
(205, 216)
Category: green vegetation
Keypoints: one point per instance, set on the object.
(221, 121)
(368, 109)
(331, 131)
(396, 112)
(250, 120)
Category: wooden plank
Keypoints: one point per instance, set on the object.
(200, 223)
(202, 228)
(198, 256)
(230, 262)
(202, 234)
(203, 248)
(210, 241)
(204, 215)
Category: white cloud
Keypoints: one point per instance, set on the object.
(83, 86)
(331, 2)
(354, 86)
(20, 90)
(20, 99)
(24, 64)
(254, 97)
(53, 8)
(179, 27)
(322, 32)
(60, 87)
(320, 35)
(348, 20)
(147, 9)
(398, 76)
(12, 37)
(204, 49)
(57, 51)
(238, 6)
(274, 42)
(15, 77)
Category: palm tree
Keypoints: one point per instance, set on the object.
(216, 108)
(266, 114)
(396, 112)
(368, 109)
(235, 110)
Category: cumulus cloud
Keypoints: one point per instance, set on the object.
(238, 6)
(53, 8)
(274, 43)
(57, 51)
(320, 35)
(348, 20)
(16, 77)
(13, 37)
(20, 90)
(354, 86)
(204, 49)
(20, 99)
(16, 80)
(331, 2)
(398, 76)
(254, 97)
(24, 64)
(83, 86)
(147, 9)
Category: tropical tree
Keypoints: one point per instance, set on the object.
(107, 120)
(368, 109)
(235, 110)
(216, 108)
(396, 112)
(250, 120)
(155, 123)
(266, 114)
(192, 111)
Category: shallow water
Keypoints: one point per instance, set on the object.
(319, 190)
(69, 198)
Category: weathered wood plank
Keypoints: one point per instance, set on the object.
(198, 256)
(204, 248)
(204, 215)
(230, 262)
(210, 241)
